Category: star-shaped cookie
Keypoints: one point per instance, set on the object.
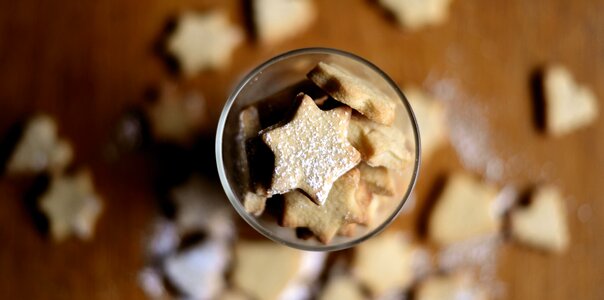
(72, 206)
(311, 151)
(413, 14)
(324, 221)
(203, 41)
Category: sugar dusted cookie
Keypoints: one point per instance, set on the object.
(464, 210)
(176, 116)
(380, 145)
(72, 205)
(40, 148)
(198, 272)
(342, 287)
(385, 263)
(277, 20)
(569, 105)
(454, 286)
(311, 151)
(430, 116)
(203, 41)
(543, 223)
(413, 14)
(281, 263)
(340, 208)
(354, 92)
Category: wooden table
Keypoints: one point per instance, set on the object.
(86, 62)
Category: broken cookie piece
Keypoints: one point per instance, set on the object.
(203, 41)
(543, 223)
(40, 149)
(198, 272)
(380, 145)
(71, 205)
(277, 20)
(385, 264)
(464, 210)
(311, 151)
(430, 116)
(413, 15)
(176, 116)
(569, 105)
(340, 208)
(355, 92)
(454, 286)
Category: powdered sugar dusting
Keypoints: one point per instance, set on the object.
(311, 151)
(468, 129)
(479, 253)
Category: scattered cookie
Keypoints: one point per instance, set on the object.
(202, 206)
(40, 149)
(380, 145)
(456, 286)
(203, 41)
(198, 272)
(176, 116)
(285, 265)
(342, 287)
(277, 20)
(385, 263)
(543, 223)
(340, 208)
(379, 179)
(414, 15)
(354, 92)
(464, 210)
(311, 151)
(569, 105)
(72, 206)
(430, 115)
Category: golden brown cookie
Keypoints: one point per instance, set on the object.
(379, 180)
(380, 145)
(340, 208)
(311, 151)
(203, 41)
(543, 223)
(354, 92)
(464, 210)
(72, 205)
(569, 105)
(40, 148)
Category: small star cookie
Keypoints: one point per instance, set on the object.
(569, 106)
(354, 92)
(176, 116)
(340, 208)
(342, 287)
(380, 145)
(40, 149)
(379, 180)
(203, 41)
(452, 286)
(277, 20)
(311, 151)
(543, 223)
(414, 14)
(72, 206)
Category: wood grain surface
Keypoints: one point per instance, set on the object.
(87, 62)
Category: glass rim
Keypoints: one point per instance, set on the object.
(238, 205)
